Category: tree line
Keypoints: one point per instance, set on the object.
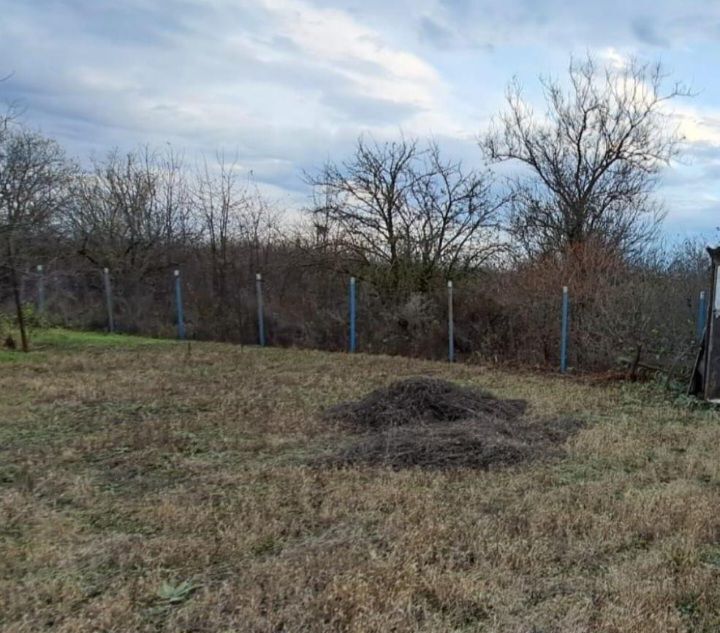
(567, 197)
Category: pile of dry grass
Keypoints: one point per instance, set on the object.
(434, 424)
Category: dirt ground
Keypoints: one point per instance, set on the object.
(159, 488)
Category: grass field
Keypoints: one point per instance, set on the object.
(149, 486)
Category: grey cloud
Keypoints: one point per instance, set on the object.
(662, 23)
(703, 219)
(192, 57)
(462, 8)
(361, 110)
(441, 36)
(646, 30)
(433, 31)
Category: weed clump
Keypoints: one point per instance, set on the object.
(431, 423)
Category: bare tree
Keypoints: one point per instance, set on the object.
(237, 225)
(453, 217)
(404, 208)
(367, 196)
(218, 197)
(175, 201)
(35, 179)
(260, 224)
(593, 158)
(130, 211)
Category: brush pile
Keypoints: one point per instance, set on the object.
(434, 424)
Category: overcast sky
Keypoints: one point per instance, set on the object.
(289, 83)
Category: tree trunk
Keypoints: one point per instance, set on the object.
(18, 299)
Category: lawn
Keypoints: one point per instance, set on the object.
(157, 486)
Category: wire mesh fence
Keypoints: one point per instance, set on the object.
(339, 312)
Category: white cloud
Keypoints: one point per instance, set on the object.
(699, 125)
(614, 58)
(336, 41)
(289, 83)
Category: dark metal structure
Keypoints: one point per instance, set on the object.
(705, 381)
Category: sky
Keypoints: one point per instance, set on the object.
(285, 85)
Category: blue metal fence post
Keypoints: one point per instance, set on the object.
(451, 325)
(108, 300)
(702, 316)
(260, 311)
(352, 315)
(40, 291)
(564, 330)
(179, 306)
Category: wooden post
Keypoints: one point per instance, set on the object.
(712, 350)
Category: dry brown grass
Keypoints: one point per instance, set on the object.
(125, 468)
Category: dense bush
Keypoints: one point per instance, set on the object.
(506, 314)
